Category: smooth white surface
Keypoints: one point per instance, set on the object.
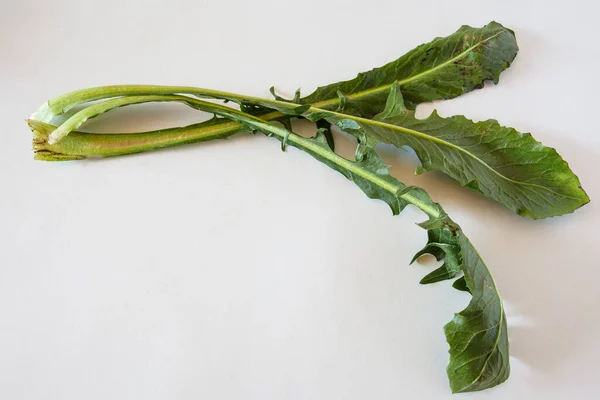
(231, 270)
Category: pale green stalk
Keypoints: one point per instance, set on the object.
(255, 123)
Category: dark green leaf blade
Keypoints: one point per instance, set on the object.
(478, 335)
(441, 69)
(499, 162)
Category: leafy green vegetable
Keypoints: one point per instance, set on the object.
(376, 107)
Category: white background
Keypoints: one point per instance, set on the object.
(232, 270)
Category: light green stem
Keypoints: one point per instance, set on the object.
(255, 123)
(80, 145)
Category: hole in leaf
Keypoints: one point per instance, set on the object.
(429, 261)
(424, 110)
(345, 144)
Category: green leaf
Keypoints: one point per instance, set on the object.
(499, 162)
(478, 335)
(441, 69)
